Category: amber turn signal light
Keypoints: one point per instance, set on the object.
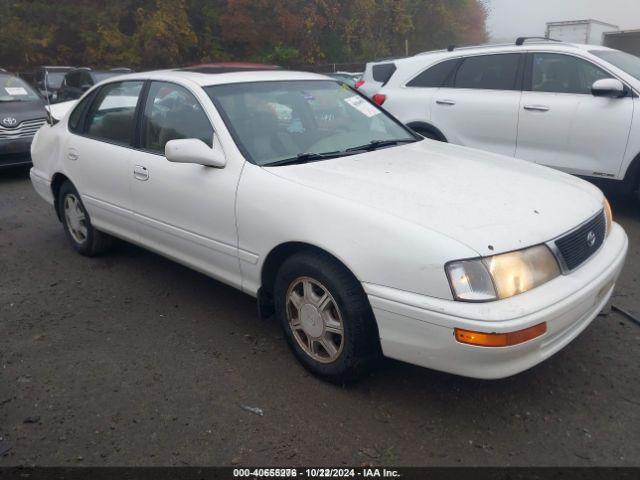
(500, 339)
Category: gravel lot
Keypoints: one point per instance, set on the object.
(130, 359)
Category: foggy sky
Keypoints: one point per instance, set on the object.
(512, 18)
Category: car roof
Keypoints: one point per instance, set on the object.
(238, 65)
(208, 79)
(545, 46)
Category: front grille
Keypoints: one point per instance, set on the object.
(577, 246)
(26, 129)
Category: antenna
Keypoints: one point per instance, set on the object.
(46, 92)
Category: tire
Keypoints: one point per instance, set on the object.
(328, 297)
(427, 134)
(84, 238)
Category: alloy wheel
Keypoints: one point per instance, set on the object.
(315, 319)
(76, 218)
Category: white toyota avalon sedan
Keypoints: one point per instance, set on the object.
(362, 238)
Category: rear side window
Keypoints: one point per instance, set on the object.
(173, 113)
(488, 72)
(435, 76)
(383, 72)
(111, 116)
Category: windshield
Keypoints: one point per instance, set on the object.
(275, 121)
(624, 61)
(14, 89)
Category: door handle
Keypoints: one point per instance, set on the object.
(141, 173)
(72, 155)
(537, 108)
(445, 102)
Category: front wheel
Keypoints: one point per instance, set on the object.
(326, 317)
(84, 238)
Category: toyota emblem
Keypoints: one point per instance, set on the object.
(591, 239)
(9, 122)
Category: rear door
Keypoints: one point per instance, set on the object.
(479, 108)
(98, 155)
(562, 125)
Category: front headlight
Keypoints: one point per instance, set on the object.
(501, 276)
(608, 214)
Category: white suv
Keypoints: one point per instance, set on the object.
(570, 107)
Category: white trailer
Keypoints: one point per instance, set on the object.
(579, 31)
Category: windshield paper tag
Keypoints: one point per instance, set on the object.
(362, 106)
(16, 91)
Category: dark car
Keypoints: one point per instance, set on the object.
(53, 76)
(22, 113)
(79, 80)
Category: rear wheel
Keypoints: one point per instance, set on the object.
(326, 317)
(84, 238)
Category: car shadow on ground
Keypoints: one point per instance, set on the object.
(388, 378)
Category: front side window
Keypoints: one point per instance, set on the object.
(111, 116)
(435, 76)
(14, 89)
(273, 122)
(173, 113)
(488, 72)
(557, 73)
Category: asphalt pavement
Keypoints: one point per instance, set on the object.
(131, 359)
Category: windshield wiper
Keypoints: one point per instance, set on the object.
(375, 144)
(304, 158)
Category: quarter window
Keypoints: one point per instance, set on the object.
(112, 114)
(557, 73)
(435, 76)
(173, 113)
(75, 119)
(488, 72)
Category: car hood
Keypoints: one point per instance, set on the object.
(488, 202)
(22, 111)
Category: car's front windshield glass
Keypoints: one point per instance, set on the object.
(279, 120)
(624, 61)
(14, 89)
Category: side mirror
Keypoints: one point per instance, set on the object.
(193, 150)
(608, 87)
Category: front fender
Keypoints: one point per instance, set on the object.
(377, 247)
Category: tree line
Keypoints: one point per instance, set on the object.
(145, 34)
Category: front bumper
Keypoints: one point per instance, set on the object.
(420, 330)
(15, 152)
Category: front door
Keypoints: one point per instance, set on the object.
(184, 211)
(562, 125)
